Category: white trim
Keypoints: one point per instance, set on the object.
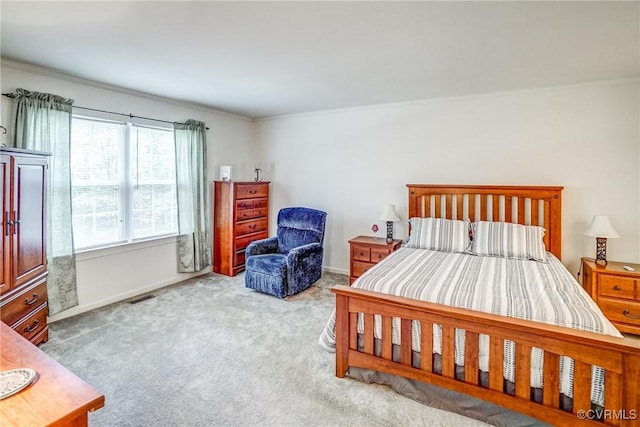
(336, 270)
(444, 99)
(51, 72)
(124, 247)
(79, 309)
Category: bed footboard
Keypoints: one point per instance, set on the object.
(618, 357)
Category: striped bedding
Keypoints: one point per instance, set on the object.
(543, 292)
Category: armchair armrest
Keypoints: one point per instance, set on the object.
(264, 246)
(303, 251)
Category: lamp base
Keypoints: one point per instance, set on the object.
(389, 231)
(601, 250)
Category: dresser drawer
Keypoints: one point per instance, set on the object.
(616, 286)
(243, 242)
(34, 324)
(244, 214)
(252, 204)
(19, 305)
(361, 253)
(251, 191)
(252, 226)
(360, 267)
(620, 310)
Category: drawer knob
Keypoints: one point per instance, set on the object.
(32, 301)
(617, 287)
(361, 253)
(628, 314)
(253, 191)
(379, 256)
(252, 226)
(33, 327)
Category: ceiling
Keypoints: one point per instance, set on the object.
(262, 59)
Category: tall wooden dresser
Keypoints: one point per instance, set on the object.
(23, 270)
(241, 215)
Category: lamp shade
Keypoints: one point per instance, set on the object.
(601, 227)
(389, 214)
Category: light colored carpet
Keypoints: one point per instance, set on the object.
(210, 352)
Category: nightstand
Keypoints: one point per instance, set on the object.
(367, 251)
(616, 291)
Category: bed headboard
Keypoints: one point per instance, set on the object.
(539, 205)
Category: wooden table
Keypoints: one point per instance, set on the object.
(56, 398)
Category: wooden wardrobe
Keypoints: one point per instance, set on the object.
(23, 269)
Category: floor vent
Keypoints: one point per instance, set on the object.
(141, 298)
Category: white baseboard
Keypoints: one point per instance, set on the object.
(83, 308)
(335, 270)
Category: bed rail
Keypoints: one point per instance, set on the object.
(619, 358)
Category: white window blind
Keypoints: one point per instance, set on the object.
(123, 182)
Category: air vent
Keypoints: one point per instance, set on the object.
(141, 298)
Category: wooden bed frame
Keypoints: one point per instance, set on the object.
(619, 357)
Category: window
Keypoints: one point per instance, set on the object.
(123, 182)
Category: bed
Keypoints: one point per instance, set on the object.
(552, 372)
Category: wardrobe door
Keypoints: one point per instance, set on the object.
(5, 258)
(29, 202)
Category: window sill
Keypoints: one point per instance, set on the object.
(87, 254)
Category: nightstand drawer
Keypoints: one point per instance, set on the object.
(620, 311)
(616, 286)
(360, 267)
(361, 253)
(377, 254)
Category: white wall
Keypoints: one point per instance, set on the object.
(351, 162)
(114, 274)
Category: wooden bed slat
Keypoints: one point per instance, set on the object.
(387, 337)
(581, 386)
(459, 206)
(406, 340)
(612, 391)
(551, 380)
(471, 198)
(448, 351)
(523, 371)
(368, 333)
(448, 209)
(495, 206)
(496, 363)
(508, 209)
(426, 346)
(483, 207)
(353, 331)
(521, 211)
(471, 353)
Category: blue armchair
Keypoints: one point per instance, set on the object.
(292, 261)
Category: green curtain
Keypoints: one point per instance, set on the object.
(194, 241)
(43, 122)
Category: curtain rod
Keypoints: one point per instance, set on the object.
(131, 116)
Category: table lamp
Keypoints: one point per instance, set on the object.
(601, 229)
(390, 216)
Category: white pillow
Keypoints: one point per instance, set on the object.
(446, 235)
(508, 240)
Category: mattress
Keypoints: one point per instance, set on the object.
(540, 291)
